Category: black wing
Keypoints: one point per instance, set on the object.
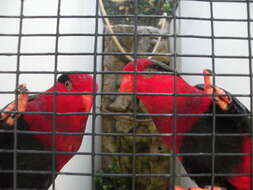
(33, 169)
(232, 125)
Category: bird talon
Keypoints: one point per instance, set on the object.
(9, 118)
(214, 188)
(177, 187)
(198, 188)
(221, 98)
(22, 89)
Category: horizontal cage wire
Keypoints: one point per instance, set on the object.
(105, 94)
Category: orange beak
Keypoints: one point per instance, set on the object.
(127, 84)
(87, 100)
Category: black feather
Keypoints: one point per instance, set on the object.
(160, 66)
(63, 78)
(37, 162)
(223, 144)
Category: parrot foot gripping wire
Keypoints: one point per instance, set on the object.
(221, 98)
(199, 188)
(9, 118)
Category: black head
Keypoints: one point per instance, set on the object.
(63, 78)
(159, 66)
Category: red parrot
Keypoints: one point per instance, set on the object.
(196, 100)
(29, 125)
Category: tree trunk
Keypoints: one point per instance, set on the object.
(127, 124)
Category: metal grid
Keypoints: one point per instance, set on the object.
(174, 54)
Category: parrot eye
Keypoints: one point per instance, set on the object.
(68, 85)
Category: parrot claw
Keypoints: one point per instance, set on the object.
(222, 100)
(22, 89)
(214, 188)
(9, 118)
(199, 188)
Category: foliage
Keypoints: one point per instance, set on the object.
(144, 7)
(167, 7)
(114, 182)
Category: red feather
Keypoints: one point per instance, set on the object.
(163, 83)
(65, 103)
(244, 167)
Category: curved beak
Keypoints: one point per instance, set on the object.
(88, 100)
(127, 84)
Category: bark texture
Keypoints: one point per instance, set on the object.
(128, 124)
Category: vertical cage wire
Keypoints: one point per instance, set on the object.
(55, 92)
(16, 95)
(173, 159)
(94, 114)
(213, 96)
(251, 83)
(135, 50)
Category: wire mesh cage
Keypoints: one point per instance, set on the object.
(112, 99)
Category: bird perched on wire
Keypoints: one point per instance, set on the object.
(203, 110)
(42, 142)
